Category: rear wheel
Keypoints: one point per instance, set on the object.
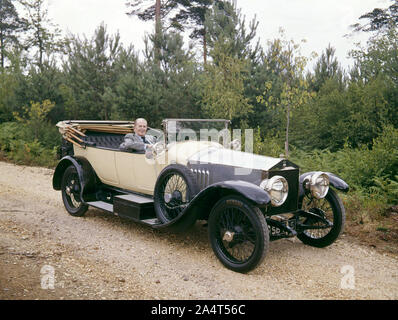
(330, 208)
(70, 188)
(238, 234)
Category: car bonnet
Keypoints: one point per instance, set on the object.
(227, 157)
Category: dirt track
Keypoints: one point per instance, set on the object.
(104, 257)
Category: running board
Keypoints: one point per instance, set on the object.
(131, 206)
(102, 205)
(134, 206)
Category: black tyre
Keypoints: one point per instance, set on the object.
(332, 209)
(70, 188)
(174, 189)
(238, 234)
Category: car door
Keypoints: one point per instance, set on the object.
(136, 173)
(103, 162)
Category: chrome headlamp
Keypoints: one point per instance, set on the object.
(318, 184)
(278, 189)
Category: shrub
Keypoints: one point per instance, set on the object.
(18, 145)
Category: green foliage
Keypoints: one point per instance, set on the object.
(91, 73)
(9, 133)
(41, 34)
(378, 58)
(18, 145)
(367, 170)
(226, 26)
(295, 88)
(355, 115)
(8, 82)
(327, 67)
(223, 86)
(11, 26)
(379, 19)
(270, 145)
(387, 189)
(34, 117)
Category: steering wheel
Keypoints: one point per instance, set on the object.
(158, 148)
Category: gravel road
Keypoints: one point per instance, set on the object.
(101, 256)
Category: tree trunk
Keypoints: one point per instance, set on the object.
(204, 48)
(287, 132)
(2, 50)
(158, 30)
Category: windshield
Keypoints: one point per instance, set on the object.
(195, 130)
(156, 133)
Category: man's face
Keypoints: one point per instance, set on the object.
(140, 127)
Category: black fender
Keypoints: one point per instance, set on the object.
(87, 176)
(203, 202)
(335, 181)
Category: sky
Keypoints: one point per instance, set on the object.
(319, 22)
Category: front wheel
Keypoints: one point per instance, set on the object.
(70, 188)
(174, 189)
(330, 208)
(238, 234)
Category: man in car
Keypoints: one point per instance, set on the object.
(138, 141)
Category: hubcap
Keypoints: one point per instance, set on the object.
(228, 236)
(72, 190)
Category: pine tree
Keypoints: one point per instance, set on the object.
(44, 36)
(10, 26)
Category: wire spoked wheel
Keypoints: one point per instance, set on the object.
(330, 208)
(174, 190)
(71, 192)
(174, 195)
(238, 234)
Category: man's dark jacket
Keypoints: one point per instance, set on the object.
(134, 142)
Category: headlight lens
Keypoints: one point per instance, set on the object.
(319, 185)
(278, 189)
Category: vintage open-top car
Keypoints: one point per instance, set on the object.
(247, 200)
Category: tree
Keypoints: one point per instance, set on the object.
(10, 27)
(379, 57)
(91, 73)
(193, 16)
(379, 19)
(326, 67)
(148, 10)
(225, 24)
(39, 84)
(43, 35)
(223, 86)
(288, 62)
(179, 15)
(35, 116)
(8, 82)
(162, 89)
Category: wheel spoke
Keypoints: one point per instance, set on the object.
(318, 206)
(242, 246)
(177, 192)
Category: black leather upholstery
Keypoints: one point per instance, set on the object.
(104, 140)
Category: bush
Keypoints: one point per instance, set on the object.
(10, 132)
(372, 173)
(18, 145)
